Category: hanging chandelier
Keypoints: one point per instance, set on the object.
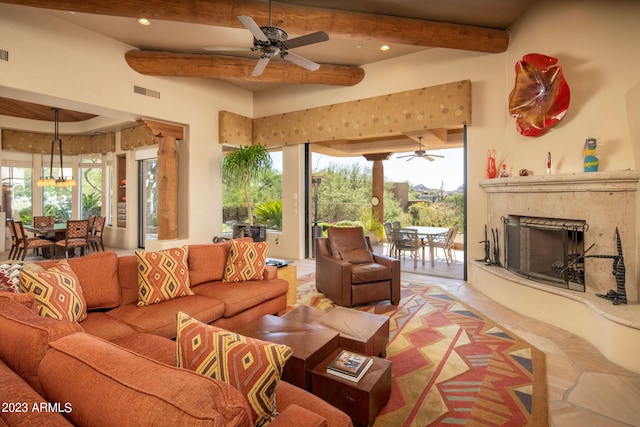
(61, 181)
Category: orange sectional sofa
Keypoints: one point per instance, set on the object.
(118, 366)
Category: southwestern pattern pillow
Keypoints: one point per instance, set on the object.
(10, 277)
(57, 292)
(252, 366)
(246, 261)
(162, 275)
(10, 274)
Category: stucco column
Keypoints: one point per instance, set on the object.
(168, 173)
(377, 184)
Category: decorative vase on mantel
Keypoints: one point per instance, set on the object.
(492, 172)
(591, 162)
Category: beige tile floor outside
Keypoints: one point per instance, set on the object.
(584, 388)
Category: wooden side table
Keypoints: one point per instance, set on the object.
(363, 400)
(310, 344)
(289, 273)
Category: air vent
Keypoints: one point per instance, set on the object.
(146, 92)
(4, 55)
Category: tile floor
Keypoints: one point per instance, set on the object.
(584, 388)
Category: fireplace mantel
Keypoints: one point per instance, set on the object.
(573, 182)
(604, 200)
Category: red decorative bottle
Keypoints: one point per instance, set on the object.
(492, 172)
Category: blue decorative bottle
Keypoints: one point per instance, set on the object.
(591, 162)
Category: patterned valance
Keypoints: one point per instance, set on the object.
(445, 106)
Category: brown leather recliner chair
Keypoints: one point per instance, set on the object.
(349, 273)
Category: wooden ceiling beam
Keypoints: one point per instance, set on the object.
(170, 64)
(296, 20)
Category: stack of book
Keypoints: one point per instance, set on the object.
(349, 365)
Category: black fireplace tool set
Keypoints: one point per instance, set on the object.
(491, 257)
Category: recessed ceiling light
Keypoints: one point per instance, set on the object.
(385, 47)
(359, 46)
(144, 21)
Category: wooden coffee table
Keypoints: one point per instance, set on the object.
(311, 343)
(362, 332)
(363, 400)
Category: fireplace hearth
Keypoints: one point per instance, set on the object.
(547, 250)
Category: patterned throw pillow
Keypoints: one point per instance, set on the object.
(57, 292)
(10, 277)
(10, 274)
(252, 366)
(246, 261)
(162, 275)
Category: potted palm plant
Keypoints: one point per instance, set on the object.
(245, 165)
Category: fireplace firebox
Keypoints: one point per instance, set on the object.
(547, 250)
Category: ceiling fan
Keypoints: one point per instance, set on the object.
(421, 153)
(272, 41)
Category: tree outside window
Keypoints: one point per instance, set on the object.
(91, 185)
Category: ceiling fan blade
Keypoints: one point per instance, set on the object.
(435, 155)
(227, 49)
(428, 157)
(411, 158)
(251, 25)
(408, 155)
(260, 66)
(312, 38)
(299, 60)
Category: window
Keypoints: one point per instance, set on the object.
(90, 182)
(57, 201)
(266, 196)
(17, 196)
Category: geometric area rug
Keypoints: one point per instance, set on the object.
(451, 365)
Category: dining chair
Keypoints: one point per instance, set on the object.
(407, 240)
(92, 223)
(446, 244)
(14, 238)
(25, 243)
(76, 236)
(42, 221)
(95, 237)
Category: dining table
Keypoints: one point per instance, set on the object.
(430, 233)
(54, 233)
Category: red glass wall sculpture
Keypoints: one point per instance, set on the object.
(540, 97)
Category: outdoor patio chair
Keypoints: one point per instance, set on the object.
(407, 240)
(446, 244)
(388, 231)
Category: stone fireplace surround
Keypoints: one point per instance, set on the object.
(604, 200)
